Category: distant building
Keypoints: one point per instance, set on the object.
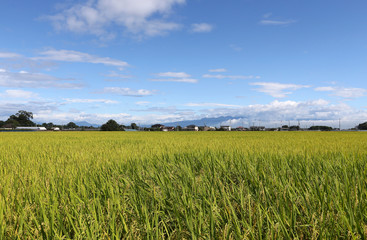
(31, 128)
(206, 128)
(257, 128)
(168, 129)
(157, 127)
(191, 128)
(226, 128)
(241, 129)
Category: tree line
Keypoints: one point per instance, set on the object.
(24, 118)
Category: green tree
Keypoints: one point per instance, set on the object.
(134, 126)
(294, 128)
(362, 126)
(11, 123)
(23, 118)
(111, 125)
(71, 125)
(320, 128)
(48, 126)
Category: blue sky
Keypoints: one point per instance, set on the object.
(156, 61)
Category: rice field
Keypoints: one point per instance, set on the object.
(183, 185)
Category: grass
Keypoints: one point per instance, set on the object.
(183, 185)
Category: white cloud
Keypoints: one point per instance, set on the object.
(11, 107)
(142, 103)
(173, 74)
(277, 90)
(127, 92)
(74, 56)
(184, 80)
(267, 21)
(218, 70)
(273, 114)
(210, 105)
(136, 16)
(174, 77)
(201, 27)
(79, 100)
(344, 92)
(287, 110)
(169, 109)
(9, 55)
(220, 76)
(34, 80)
(275, 22)
(15, 93)
(325, 89)
(117, 75)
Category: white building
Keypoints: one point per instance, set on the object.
(226, 128)
(191, 128)
(31, 128)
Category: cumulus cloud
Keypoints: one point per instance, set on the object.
(16, 93)
(344, 92)
(277, 90)
(184, 80)
(9, 55)
(272, 114)
(201, 27)
(127, 92)
(80, 100)
(122, 118)
(174, 77)
(210, 105)
(74, 56)
(11, 107)
(220, 76)
(283, 110)
(173, 74)
(34, 80)
(169, 109)
(146, 17)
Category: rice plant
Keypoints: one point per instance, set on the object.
(183, 185)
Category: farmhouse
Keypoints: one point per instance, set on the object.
(157, 127)
(168, 129)
(206, 128)
(226, 128)
(191, 128)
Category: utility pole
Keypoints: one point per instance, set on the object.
(339, 125)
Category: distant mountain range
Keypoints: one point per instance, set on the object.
(86, 124)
